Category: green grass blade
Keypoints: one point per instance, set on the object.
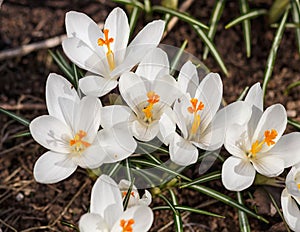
(277, 9)
(76, 78)
(131, 3)
(170, 205)
(243, 94)
(227, 200)
(23, 134)
(128, 170)
(273, 52)
(296, 18)
(205, 178)
(244, 9)
(133, 18)
(153, 146)
(293, 85)
(294, 123)
(250, 15)
(127, 196)
(177, 57)
(213, 22)
(177, 216)
(183, 16)
(114, 169)
(189, 209)
(243, 219)
(211, 47)
(15, 117)
(287, 25)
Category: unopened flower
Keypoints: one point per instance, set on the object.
(105, 53)
(107, 212)
(197, 116)
(70, 132)
(290, 199)
(259, 145)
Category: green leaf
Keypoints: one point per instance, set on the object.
(168, 203)
(293, 85)
(128, 170)
(205, 178)
(277, 9)
(114, 169)
(15, 117)
(131, 3)
(134, 15)
(296, 19)
(76, 78)
(213, 22)
(183, 16)
(225, 199)
(211, 47)
(177, 216)
(243, 94)
(250, 15)
(189, 209)
(177, 57)
(273, 52)
(294, 123)
(244, 9)
(127, 197)
(243, 219)
(23, 134)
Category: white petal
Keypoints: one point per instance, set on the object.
(188, 79)
(51, 133)
(288, 149)
(268, 165)
(53, 167)
(86, 58)
(132, 89)
(253, 121)
(91, 158)
(106, 198)
(182, 152)
(255, 97)
(237, 141)
(96, 85)
(117, 142)
(142, 216)
(58, 87)
(210, 93)
(146, 199)
(274, 117)
(114, 114)
(167, 128)
(182, 115)
(117, 24)
(163, 83)
(81, 26)
(154, 64)
(88, 117)
(91, 222)
(145, 132)
(237, 174)
(290, 210)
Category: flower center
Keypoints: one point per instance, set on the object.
(127, 225)
(153, 98)
(256, 147)
(109, 54)
(77, 144)
(194, 110)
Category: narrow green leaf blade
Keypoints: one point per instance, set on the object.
(244, 9)
(293, 85)
(243, 219)
(18, 118)
(177, 216)
(294, 123)
(227, 200)
(131, 3)
(213, 22)
(177, 57)
(127, 196)
(205, 178)
(211, 47)
(273, 52)
(133, 18)
(23, 134)
(296, 18)
(183, 16)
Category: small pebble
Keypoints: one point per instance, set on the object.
(19, 197)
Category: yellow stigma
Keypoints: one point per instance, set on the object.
(257, 146)
(194, 110)
(109, 55)
(126, 225)
(153, 98)
(77, 144)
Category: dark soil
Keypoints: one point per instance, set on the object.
(28, 206)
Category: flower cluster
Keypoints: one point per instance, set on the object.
(186, 115)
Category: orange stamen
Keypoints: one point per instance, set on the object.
(194, 110)
(109, 55)
(153, 98)
(270, 136)
(127, 225)
(77, 141)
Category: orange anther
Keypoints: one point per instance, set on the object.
(127, 225)
(270, 136)
(194, 108)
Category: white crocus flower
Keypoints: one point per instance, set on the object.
(149, 93)
(105, 53)
(259, 145)
(107, 213)
(290, 199)
(134, 198)
(197, 116)
(70, 132)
